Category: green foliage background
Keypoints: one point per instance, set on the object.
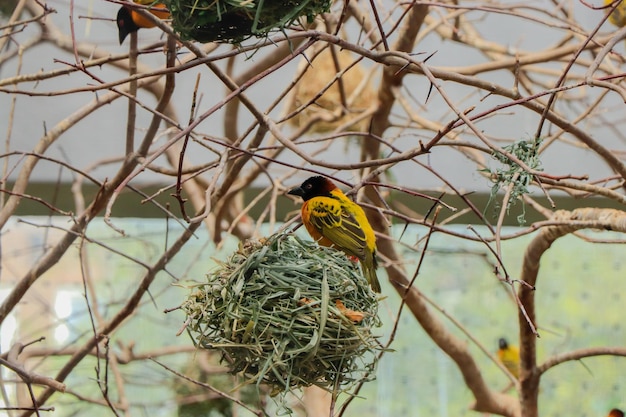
(580, 296)
(580, 299)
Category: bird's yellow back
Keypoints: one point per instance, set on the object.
(338, 221)
(359, 215)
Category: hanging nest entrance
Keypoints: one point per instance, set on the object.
(232, 21)
(288, 313)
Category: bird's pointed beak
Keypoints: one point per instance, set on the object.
(296, 191)
(122, 35)
(123, 17)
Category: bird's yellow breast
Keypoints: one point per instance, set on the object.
(509, 357)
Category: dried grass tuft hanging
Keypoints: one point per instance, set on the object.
(318, 99)
(279, 311)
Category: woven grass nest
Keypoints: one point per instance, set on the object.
(232, 21)
(281, 312)
(357, 88)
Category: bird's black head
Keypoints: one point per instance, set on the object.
(125, 23)
(313, 187)
(502, 343)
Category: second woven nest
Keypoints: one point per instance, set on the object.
(328, 80)
(232, 21)
(288, 313)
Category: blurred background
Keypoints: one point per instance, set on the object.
(470, 131)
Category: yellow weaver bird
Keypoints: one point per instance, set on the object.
(129, 20)
(616, 413)
(509, 357)
(333, 220)
(618, 16)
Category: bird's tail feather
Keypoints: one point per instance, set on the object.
(369, 271)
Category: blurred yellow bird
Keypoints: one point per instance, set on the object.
(509, 357)
(618, 16)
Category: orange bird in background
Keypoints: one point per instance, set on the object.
(333, 220)
(129, 20)
(508, 356)
(616, 413)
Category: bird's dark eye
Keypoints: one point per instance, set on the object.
(307, 186)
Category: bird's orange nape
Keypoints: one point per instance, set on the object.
(130, 20)
(159, 10)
